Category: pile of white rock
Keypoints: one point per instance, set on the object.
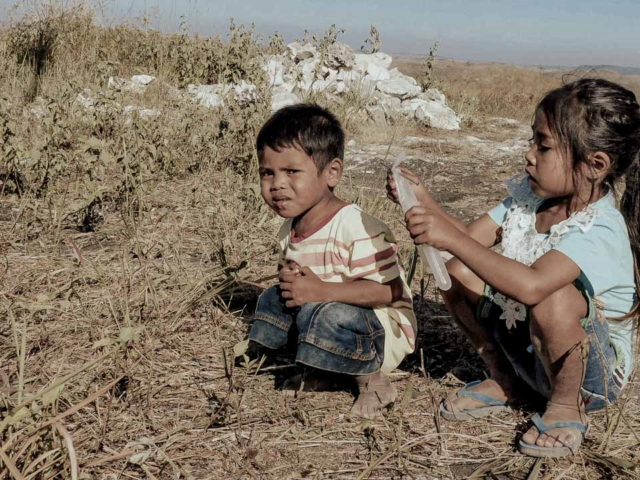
(386, 93)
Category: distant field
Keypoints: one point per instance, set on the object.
(494, 89)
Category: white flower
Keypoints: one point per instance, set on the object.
(512, 311)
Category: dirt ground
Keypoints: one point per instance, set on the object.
(171, 402)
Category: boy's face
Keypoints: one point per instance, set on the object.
(290, 182)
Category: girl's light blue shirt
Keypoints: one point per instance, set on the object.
(603, 254)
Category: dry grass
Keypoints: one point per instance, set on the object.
(476, 90)
(131, 254)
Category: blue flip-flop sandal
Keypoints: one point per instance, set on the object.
(536, 451)
(492, 405)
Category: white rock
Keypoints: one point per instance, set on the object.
(399, 87)
(380, 59)
(435, 95)
(282, 99)
(214, 95)
(377, 114)
(391, 106)
(142, 79)
(432, 114)
(144, 113)
(328, 73)
(208, 95)
(340, 55)
(245, 92)
(85, 99)
(327, 86)
(501, 122)
(348, 76)
(275, 69)
(37, 111)
(395, 73)
(441, 116)
(299, 52)
(286, 87)
(124, 85)
(377, 73)
(310, 67)
(305, 73)
(341, 87)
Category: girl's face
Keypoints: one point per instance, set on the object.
(550, 173)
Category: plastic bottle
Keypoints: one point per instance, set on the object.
(428, 254)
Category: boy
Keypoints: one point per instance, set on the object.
(340, 283)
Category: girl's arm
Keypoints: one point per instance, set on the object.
(528, 285)
(483, 229)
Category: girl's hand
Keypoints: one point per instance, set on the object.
(428, 226)
(416, 184)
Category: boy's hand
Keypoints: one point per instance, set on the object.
(302, 288)
(416, 184)
(427, 226)
(288, 272)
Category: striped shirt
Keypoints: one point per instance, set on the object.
(352, 245)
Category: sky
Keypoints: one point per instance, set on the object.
(543, 32)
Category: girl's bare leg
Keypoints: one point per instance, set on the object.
(462, 301)
(561, 343)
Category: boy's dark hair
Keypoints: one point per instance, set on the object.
(306, 126)
(595, 115)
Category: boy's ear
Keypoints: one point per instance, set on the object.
(599, 166)
(334, 172)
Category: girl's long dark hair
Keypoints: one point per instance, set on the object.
(595, 115)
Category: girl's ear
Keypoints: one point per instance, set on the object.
(599, 166)
(334, 172)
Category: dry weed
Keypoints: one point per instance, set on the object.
(131, 252)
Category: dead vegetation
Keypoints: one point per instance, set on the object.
(132, 251)
(475, 89)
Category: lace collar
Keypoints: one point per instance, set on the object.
(520, 239)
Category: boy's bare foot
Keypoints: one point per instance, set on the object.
(312, 381)
(456, 404)
(557, 437)
(376, 392)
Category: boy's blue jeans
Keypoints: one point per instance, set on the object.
(332, 336)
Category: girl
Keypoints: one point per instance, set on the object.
(555, 310)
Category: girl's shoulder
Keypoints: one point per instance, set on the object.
(607, 215)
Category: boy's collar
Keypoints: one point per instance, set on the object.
(298, 238)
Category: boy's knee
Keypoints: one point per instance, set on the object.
(336, 317)
(270, 300)
(564, 305)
